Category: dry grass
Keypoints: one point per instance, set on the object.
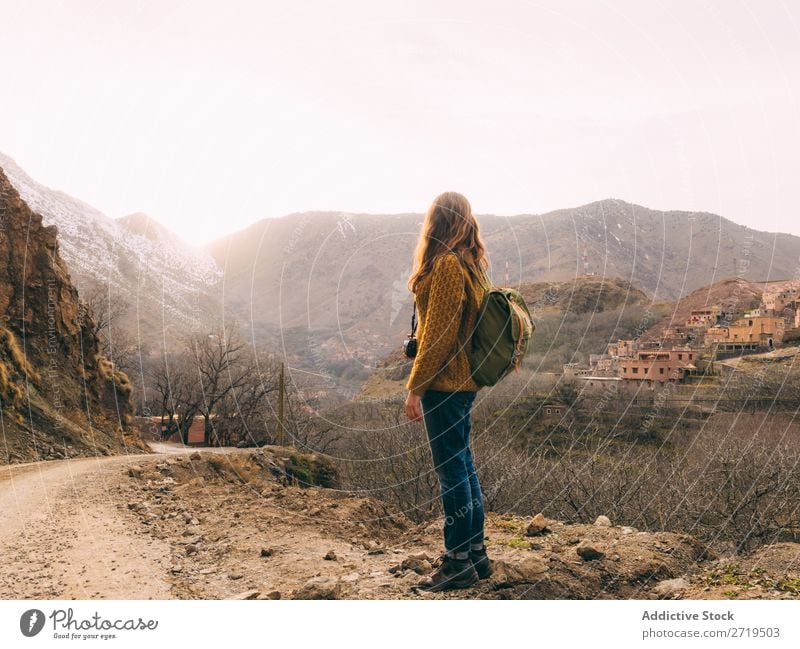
(9, 344)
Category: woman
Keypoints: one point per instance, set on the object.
(449, 281)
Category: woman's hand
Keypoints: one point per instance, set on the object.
(413, 407)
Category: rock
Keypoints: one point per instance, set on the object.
(537, 526)
(331, 556)
(275, 594)
(235, 576)
(670, 587)
(319, 588)
(208, 571)
(248, 594)
(135, 471)
(190, 549)
(418, 563)
(197, 481)
(589, 553)
(196, 456)
(508, 575)
(650, 569)
(266, 552)
(376, 550)
(628, 530)
(603, 521)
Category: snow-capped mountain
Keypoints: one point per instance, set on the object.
(161, 278)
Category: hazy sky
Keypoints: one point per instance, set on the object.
(211, 115)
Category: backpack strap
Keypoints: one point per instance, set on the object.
(486, 283)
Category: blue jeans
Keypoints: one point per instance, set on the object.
(447, 421)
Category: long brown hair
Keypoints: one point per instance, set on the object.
(449, 225)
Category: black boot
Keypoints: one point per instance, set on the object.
(481, 562)
(451, 573)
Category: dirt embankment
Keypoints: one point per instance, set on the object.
(241, 524)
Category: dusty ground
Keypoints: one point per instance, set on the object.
(218, 524)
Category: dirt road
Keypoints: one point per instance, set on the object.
(64, 532)
(85, 529)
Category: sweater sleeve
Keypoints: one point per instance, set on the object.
(442, 322)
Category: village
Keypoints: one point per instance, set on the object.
(695, 349)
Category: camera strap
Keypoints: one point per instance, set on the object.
(414, 320)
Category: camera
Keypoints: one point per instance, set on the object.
(410, 343)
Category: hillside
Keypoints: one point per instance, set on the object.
(58, 396)
(161, 279)
(734, 295)
(585, 294)
(142, 225)
(572, 319)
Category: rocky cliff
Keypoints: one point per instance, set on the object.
(58, 396)
(133, 259)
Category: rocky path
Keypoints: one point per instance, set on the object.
(64, 533)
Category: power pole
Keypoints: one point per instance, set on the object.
(280, 407)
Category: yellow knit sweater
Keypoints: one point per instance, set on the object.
(442, 295)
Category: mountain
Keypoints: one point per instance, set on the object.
(141, 224)
(335, 281)
(58, 396)
(161, 279)
(328, 289)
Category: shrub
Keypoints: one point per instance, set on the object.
(310, 470)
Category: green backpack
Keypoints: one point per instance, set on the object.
(501, 336)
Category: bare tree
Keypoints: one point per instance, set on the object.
(177, 388)
(247, 414)
(219, 359)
